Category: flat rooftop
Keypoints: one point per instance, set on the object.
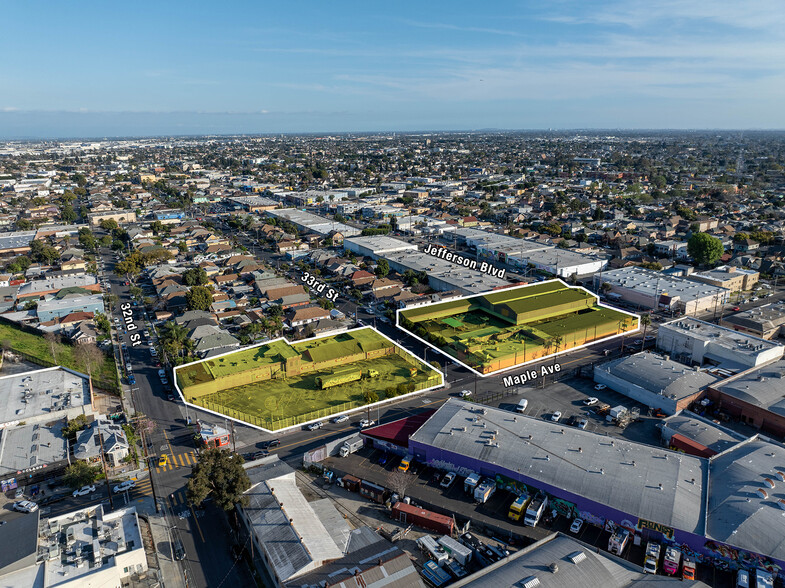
(649, 283)
(641, 480)
(31, 446)
(84, 541)
(57, 283)
(381, 244)
(455, 276)
(69, 302)
(703, 431)
(16, 240)
(762, 318)
(737, 514)
(50, 391)
(734, 341)
(314, 222)
(763, 387)
(659, 375)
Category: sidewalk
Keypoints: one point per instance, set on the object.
(171, 572)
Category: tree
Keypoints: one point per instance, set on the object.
(220, 475)
(704, 248)
(23, 224)
(275, 311)
(109, 224)
(102, 322)
(68, 214)
(326, 303)
(79, 474)
(199, 298)
(52, 340)
(399, 482)
(174, 338)
(196, 276)
(89, 356)
(73, 426)
(645, 321)
(382, 268)
(606, 287)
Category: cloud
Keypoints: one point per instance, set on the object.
(460, 29)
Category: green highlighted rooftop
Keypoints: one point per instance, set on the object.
(278, 384)
(507, 328)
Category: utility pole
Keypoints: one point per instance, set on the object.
(103, 465)
(234, 440)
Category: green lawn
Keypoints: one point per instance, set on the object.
(36, 349)
(278, 403)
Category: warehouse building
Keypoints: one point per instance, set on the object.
(645, 288)
(377, 246)
(701, 432)
(655, 493)
(654, 380)
(755, 397)
(693, 341)
(764, 321)
(306, 221)
(728, 277)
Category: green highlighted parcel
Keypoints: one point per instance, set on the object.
(278, 385)
(506, 328)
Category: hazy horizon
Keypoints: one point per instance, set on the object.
(246, 68)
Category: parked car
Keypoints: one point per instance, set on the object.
(590, 401)
(576, 525)
(315, 426)
(582, 424)
(25, 506)
(448, 480)
(600, 387)
(522, 404)
(161, 373)
(272, 443)
(572, 420)
(556, 416)
(341, 418)
(84, 490)
(124, 486)
(19, 493)
(366, 423)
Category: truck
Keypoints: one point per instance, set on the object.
(458, 551)
(406, 463)
(351, 445)
(351, 483)
(688, 569)
(618, 541)
(373, 491)
(434, 574)
(652, 560)
(470, 483)
(763, 579)
(484, 491)
(430, 547)
(518, 507)
(537, 506)
(672, 560)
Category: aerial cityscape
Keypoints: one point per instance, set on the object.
(393, 296)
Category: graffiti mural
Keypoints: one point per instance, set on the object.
(727, 557)
(591, 519)
(441, 464)
(656, 527)
(562, 507)
(505, 483)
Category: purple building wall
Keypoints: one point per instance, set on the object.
(695, 546)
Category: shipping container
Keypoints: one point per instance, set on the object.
(373, 491)
(351, 483)
(432, 549)
(687, 445)
(458, 551)
(406, 513)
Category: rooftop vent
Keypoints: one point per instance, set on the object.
(762, 493)
(553, 567)
(576, 557)
(530, 582)
(769, 482)
(781, 476)
(781, 502)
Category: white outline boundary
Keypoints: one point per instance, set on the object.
(539, 359)
(303, 424)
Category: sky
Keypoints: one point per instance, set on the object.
(95, 69)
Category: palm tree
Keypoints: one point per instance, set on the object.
(174, 338)
(645, 321)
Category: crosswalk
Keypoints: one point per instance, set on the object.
(180, 460)
(143, 487)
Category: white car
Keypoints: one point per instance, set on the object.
(314, 426)
(465, 393)
(448, 479)
(366, 423)
(590, 401)
(84, 490)
(123, 486)
(600, 387)
(582, 424)
(341, 418)
(25, 506)
(576, 525)
(556, 415)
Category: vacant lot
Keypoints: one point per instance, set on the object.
(278, 403)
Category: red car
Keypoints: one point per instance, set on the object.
(736, 309)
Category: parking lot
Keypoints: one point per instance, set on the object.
(489, 519)
(568, 396)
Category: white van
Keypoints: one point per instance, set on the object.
(522, 405)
